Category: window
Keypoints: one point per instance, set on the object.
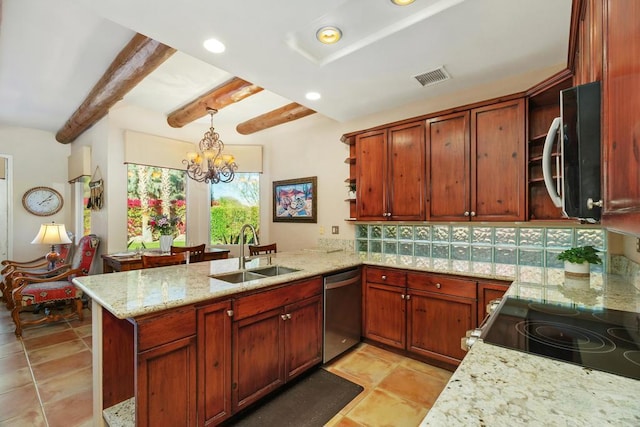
(233, 204)
(154, 191)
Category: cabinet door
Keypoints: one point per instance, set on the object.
(214, 363)
(371, 172)
(621, 126)
(486, 293)
(498, 175)
(448, 167)
(258, 365)
(385, 320)
(406, 166)
(303, 336)
(435, 324)
(166, 385)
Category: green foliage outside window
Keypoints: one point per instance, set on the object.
(232, 205)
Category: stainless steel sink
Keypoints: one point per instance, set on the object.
(274, 270)
(239, 276)
(255, 274)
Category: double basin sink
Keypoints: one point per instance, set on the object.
(254, 274)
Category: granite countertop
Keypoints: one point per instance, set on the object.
(496, 386)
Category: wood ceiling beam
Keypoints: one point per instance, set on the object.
(288, 113)
(135, 61)
(231, 91)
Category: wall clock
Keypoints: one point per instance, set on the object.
(42, 201)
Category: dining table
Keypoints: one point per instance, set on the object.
(132, 260)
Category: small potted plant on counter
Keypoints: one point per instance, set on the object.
(577, 260)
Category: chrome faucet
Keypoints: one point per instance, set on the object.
(255, 239)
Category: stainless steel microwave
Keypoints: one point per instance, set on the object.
(577, 189)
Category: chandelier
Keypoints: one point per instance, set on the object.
(210, 164)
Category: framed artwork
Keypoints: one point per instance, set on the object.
(295, 200)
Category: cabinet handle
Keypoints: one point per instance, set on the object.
(591, 203)
(230, 313)
(408, 296)
(288, 316)
(473, 213)
(283, 316)
(438, 285)
(402, 296)
(384, 277)
(466, 213)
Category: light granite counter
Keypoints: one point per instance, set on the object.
(495, 386)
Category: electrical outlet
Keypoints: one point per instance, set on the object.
(321, 230)
(335, 229)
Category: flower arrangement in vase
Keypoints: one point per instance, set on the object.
(167, 227)
(577, 260)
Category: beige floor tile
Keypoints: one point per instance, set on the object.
(9, 336)
(49, 369)
(13, 379)
(49, 328)
(56, 351)
(382, 409)
(413, 385)
(434, 371)
(18, 401)
(73, 410)
(88, 342)
(10, 348)
(342, 421)
(83, 331)
(12, 362)
(31, 418)
(65, 385)
(49, 339)
(381, 353)
(369, 369)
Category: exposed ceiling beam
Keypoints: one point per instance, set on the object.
(288, 113)
(231, 91)
(135, 61)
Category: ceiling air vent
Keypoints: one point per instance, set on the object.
(433, 76)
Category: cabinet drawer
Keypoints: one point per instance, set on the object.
(166, 327)
(443, 285)
(386, 276)
(268, 300)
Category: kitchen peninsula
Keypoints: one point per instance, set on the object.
(492, 385)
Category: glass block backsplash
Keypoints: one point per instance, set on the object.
(469, 247)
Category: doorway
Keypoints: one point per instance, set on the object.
(6, 170)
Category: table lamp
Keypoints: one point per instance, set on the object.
(52, 234)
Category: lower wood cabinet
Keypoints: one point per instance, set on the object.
(487, 292)
(276, 336)
(422, 313)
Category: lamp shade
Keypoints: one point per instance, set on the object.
(51, 234)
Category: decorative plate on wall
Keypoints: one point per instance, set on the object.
(42, 201)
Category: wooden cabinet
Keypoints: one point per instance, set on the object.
(166, 369)
(214, 363)
(467, 152)
(425, 314)
(276, 336)
(390, 173)
(487, 292)
(621, 120)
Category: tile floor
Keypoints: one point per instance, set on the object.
(45, 380)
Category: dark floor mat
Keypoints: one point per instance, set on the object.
(310, 402)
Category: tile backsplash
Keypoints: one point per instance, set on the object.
(476, 248)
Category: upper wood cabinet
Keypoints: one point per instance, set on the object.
(476, 162)
(621, 117)
(390, 173)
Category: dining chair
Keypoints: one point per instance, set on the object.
(151, 261)
(43, 290)
(196, 253)
(262, 249)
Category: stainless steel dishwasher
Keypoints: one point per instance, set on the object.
(342, 313)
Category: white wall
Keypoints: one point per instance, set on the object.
(38, 160)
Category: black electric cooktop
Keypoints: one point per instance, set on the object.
(602, 339)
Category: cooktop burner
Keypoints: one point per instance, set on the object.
(602, 339)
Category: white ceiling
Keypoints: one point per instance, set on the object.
(53, 52)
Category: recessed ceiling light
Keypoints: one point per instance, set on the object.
(214, 46)
(313, 96)
(329, 35)
(402, 2)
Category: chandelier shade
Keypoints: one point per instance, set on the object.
(210, 164)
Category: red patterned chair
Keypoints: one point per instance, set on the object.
(32, 289)
(37, 266)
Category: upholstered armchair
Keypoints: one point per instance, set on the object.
(38, 266)
(31, 289)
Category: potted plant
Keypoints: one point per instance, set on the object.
(352, 191)
(577, 260)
